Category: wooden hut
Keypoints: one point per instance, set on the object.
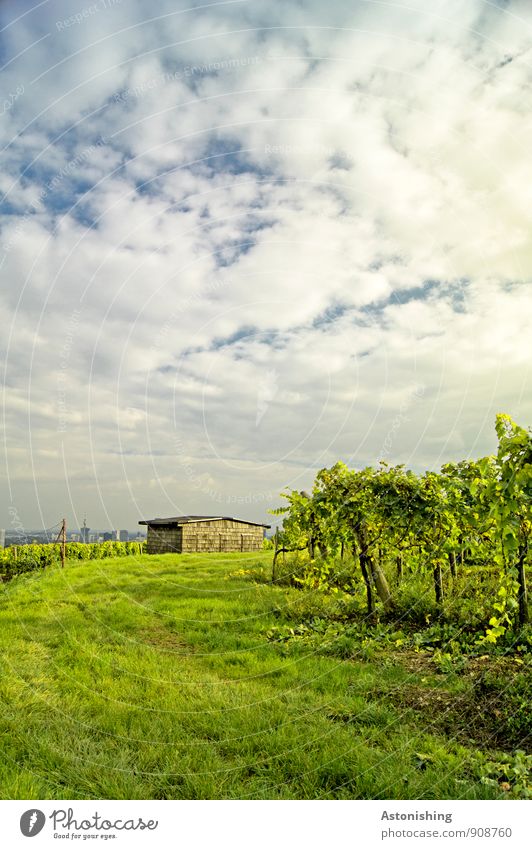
(202, 533)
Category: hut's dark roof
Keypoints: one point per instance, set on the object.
(184, 520)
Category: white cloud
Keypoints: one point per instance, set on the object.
(336, 196)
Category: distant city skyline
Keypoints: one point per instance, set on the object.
(9, 537)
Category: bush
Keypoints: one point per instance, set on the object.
(415, 602)
(291, 569)
(15, 560)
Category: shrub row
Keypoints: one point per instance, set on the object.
(17, 559)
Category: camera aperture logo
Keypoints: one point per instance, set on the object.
(266, 392)
(32, 822)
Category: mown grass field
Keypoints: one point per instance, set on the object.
(154, 678)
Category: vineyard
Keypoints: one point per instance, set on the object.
(17, 559)
(384, 653)
(448, 547)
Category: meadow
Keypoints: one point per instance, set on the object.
(195, 677)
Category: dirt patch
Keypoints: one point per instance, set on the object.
(486, 714)
(162, 638)
(505, 666)
(473, 667)
(414, 661)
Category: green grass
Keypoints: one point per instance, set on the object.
(153, 678)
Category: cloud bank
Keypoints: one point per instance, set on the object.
(240, 241)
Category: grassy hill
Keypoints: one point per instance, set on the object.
(154, 678)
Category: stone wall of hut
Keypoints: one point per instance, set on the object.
(222, 535)
(219, 535)
(162, 539)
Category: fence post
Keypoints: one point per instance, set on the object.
(276, 546)
(63, 544)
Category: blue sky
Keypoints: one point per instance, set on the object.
(242, 240)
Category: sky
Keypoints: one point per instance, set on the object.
(240, 241)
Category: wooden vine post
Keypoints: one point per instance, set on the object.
(275, 552)
(63, 543)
